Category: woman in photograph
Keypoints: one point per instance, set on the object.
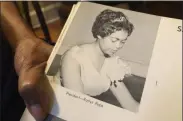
(94, 69)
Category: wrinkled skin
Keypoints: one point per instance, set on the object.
(30, 62)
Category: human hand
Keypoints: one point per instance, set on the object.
(30, 62)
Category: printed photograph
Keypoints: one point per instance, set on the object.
(106, 55)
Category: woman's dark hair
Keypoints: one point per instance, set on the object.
(108, 22)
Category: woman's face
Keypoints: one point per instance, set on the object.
(112, 43)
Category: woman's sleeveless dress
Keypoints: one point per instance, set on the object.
(97, 84)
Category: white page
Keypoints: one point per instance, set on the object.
(162, 97)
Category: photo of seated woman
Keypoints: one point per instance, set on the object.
(95, 69)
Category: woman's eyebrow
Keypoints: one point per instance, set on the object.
(116, 38)
(119, 39)
(124, 40)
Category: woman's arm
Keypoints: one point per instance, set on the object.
(119, 70)
(70, 72)
(119, 89)
(30, 59)
(14, 27)
(124, 97)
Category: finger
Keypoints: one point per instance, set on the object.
(36, 91)
(32, 100)
(38, 101)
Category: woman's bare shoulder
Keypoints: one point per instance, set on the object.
(69, 55)
(84, 47)
(70, 52)
(78, 49)
(73, 53)
(76, 52)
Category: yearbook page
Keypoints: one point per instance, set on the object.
(116, 64)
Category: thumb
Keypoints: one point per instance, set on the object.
(33, 103)
(36, 111)
(30, 81)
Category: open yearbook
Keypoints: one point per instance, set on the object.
(112, 64)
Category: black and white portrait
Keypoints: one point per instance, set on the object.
(106, 56)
